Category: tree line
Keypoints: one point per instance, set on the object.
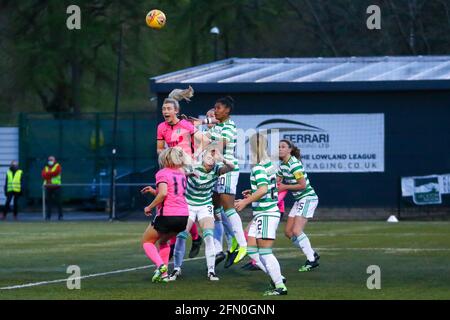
(46, 67)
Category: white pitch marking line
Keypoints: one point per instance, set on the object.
(34, 284)
(371, 249)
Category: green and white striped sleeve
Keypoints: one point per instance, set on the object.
(280, 172)
(296, 168)
(260, 175)
(228, 133)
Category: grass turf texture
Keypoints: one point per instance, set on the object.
(414, 258)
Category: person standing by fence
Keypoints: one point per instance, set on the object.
(13, 189)
(52, 182)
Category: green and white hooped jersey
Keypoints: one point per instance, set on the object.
(200, 185)
(264, 173)
(226, 130)
(290, 172)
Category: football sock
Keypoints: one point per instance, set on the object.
(218, 235)
(194, 232)
(302, 241)
(228, 229)
(152, 253)
(254, 255)
(180, 249)
(271, 264)
(236, 224)
(210, 251)
(164, 251)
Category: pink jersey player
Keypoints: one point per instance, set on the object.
(172, 209)
(179, 134)
(175, 202)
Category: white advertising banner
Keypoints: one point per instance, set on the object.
(426, 189)
(328, 142)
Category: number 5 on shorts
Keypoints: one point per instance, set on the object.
(300, 207)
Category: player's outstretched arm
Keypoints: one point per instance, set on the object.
(159, 146)
(228, 165)
(240, 204)
(201, 141)
(247, 193)
(300, 185)
(149, 189)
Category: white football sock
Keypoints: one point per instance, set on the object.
(253, 254)
(271, 264)
(236, 223)
(302, 242)
(228, 230)
(210, 251)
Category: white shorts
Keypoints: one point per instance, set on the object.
(227, 183)
(197, 213)
(304, 207)
(264, 227)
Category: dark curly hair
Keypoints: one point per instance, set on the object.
(227, 102)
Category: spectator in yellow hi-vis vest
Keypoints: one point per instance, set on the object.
(13, 189)
(52, 182)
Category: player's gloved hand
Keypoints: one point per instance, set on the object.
(149, 189)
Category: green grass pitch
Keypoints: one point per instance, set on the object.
(414, 258)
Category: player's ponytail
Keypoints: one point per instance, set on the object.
(176, 95)
(180, 94)
(258, 145)
(295, 151)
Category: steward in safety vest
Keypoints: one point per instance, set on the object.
(13, 189)
(52, 174)
(52, 182)
(13, 179)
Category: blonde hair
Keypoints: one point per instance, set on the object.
(173, 158)
(174, 102)
(258, 147)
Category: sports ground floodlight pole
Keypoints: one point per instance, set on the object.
(112, 194)
(215, 32)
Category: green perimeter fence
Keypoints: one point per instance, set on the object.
(82, 144)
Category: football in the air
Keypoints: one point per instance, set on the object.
(155, 19)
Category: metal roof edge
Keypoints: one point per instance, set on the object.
(209, 68)
(248, 87)
(194, 68)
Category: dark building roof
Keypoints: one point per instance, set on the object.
(312, 74)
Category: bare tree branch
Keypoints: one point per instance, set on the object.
(323, 33)
(399, 23)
